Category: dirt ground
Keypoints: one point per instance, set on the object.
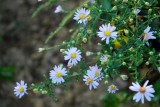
(22, 36)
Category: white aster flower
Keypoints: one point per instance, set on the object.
(73, 55)
(20, 89)
(103, 58)
(106, 31)
(145, 91)
(112, 89)
(94, 70)
(57, 74)
(148, 35)
(124, 77)
(90, 80)
(82, 15)
(136, 11)
(58, 9)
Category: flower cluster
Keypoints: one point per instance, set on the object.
(124, 28)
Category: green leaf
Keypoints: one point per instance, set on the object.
(7, 72)
(75, 74)
(157, 88)
(106, 4)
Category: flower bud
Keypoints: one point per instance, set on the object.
(81, 28)
(32, 84)
(147, 63)
(86, 5)
(131, 20)
(44, 92)
(64, 43)
(146, 3)
(62, 50)
(70, 30)
(151, 53)
(41, 49)
(89, 31)
(124, 63)
(99, 44)
(149, 11)
(126, 31)
(106, 82)
(102, 63)
(114, 8)
(111, 48)
(99, 53)
(88, 53)
(107, 76)
(79, 34)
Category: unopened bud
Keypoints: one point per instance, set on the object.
(147, 63)
(151, 53)
(114, 8)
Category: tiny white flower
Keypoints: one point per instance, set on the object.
(148, 35)
(103, 58)
(94, 70)
(20, 89)
(81, 15)
(124, 77)
(73, 55)
(106, 31)
(39, 0)
(57, 74)
(145, 91)
(70, 65)
(112, 89)
(41, 49)
(88, 53)
(90, 80)
(136, 11)
(58, 9)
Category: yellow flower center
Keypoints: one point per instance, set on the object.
(84, 40)
(58, 74)
(124, 77)
(70, 64)
(89, 18)
(96, 74)
(112, 87)
(107, 33)
(104, 59)
(142, 90)
(73, 55)
(89, 80)
(21, 89)
(82, 16)
(89, 31)
(35, 90)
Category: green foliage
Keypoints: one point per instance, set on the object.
(7, 72)
(157, 88)
(110, 100)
